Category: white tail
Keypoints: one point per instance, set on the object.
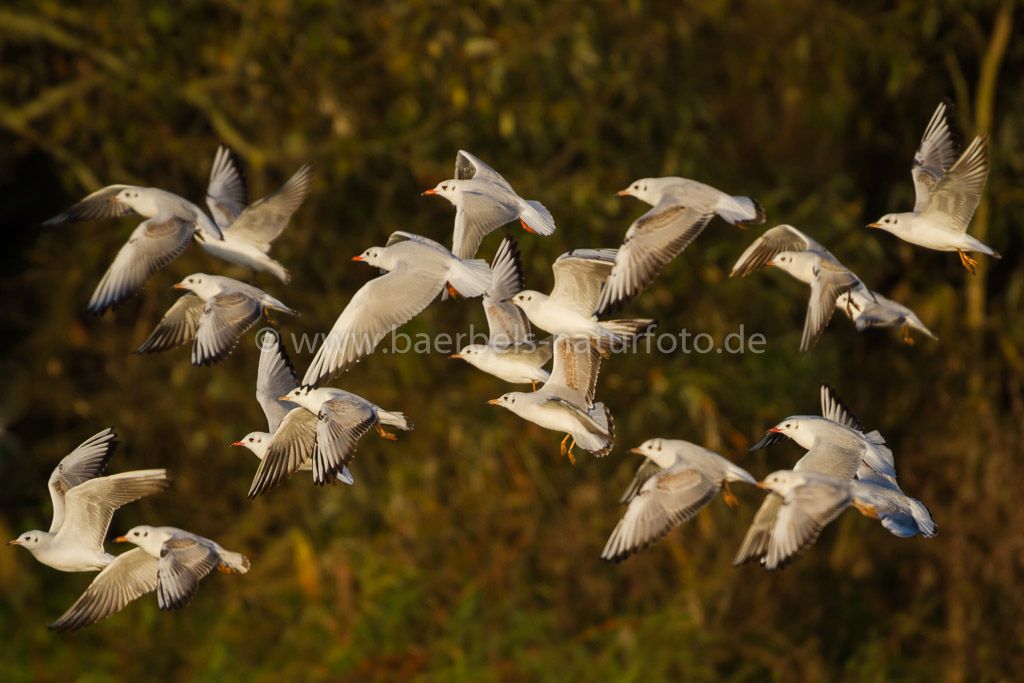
(394, 420)
(236, 562)
(740, 210)
(537, 218)
(923, 518)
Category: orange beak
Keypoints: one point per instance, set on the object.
(770, 263)
(456, 355)
(762, 485)
(636, 450)
(178, 285)
(13, 542)
(623, 193)
(494, 402)
(237, 443)
(358, 258)
(874, 225)
(775, 430)
(120, 539)
(283, 398)
(427, 193)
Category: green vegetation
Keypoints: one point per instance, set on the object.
(469, 549)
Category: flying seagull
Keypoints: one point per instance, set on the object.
(417, 270)
(83, 505)
(275, 377)
(250, 229)
(682, 208)
(167, 560)
(484, 201)
(511, 353)
(948, 190)
(869, 309)
(569, 309)
(214, 315)
(676, 481)
(566, 401)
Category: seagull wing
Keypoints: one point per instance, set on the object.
(666, 500)
(468, 166)
(830, 280)
(477, 214)
(265, 219)
(759, 536)
(130, 576)
(184, 562)
(577, 363)
(379, 307)
(178, 326)
(507, 324)
(151, 246)
(652, 241)
(225, 319)
(804, 513)
(834, 409)
(648, 468)
(91, 505)
(226, 194)
(340, 424)
(935, 155)
(275, 377)
(579, 276)
(291, 447)
(958, 193)
(100, 204)
(773, 242)
(86, 462)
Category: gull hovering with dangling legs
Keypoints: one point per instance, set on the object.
(566, 401)
(512, 353)
(214, 315)
(676, 481)
(836, 446)
(83, 505)
(330, 422)
(568, 310)
(948, 190)
(171, 223)
(792, 251)
(810, 501)
(484, 201)
(274, 378)
(681, 210)
(417, 270)
(170, 561)
(250, 229)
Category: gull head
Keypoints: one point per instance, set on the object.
(528, 299)
(645, 189)
(374, 256)
(199, 284)
(138, 200)
(446, 188)
(655, 450)
(30, 539)
(781, 481)
(307, 396)
(799, 428)
(799, 264)
(470, 353)
(509, 401)
(146, 537)
(257, 442)
(891, 222)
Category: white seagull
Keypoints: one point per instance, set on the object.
(250, 229)
(83, 505)
(947, 193)
(484, 201)
(681, 210)
(275, 377)
(167, 560)
(810, 501)
(869, 309)
(329, 422)
(214, 315)
(836, 446)
(171, 223)
(675, 482)
(566, 401)
(569, 309)
(511, 353)
(417, 270)
(792, 251)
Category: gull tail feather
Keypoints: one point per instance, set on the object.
(741, 211)
(394, 419)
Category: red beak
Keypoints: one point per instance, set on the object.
(776, 430)
(237, 443)
(426, 193)
(358, 258)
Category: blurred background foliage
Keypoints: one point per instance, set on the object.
(469, 550)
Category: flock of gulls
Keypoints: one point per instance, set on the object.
(315, 428)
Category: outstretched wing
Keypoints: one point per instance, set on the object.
(577, 363)
(652, 241)
(264, 220)
(91, 505)
(151, 246)
(804, 513)
(226, 194)
(340, 425)
(225, 319)
(128, 577)
(100, 204)
(935, 155)
(184, 562)
(958, 193)
(772, 243)
(507, 324)
(579, 276)
(87, 461)
(834, 409)
(178, 326)
(468, 166)
(275, 377)
(830, 280)
(291, 446)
